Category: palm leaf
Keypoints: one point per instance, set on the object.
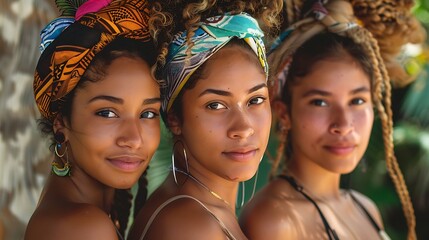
(68, 7)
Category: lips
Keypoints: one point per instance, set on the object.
(126, 163)
(341, 149)
(241, 155)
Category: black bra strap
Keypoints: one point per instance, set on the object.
(366, 212)
(329, 231)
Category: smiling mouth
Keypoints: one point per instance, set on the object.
(126, 164)
(241, 156)
(340, 150)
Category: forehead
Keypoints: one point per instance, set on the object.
(124, 74)
(232, 58)
(335, 75)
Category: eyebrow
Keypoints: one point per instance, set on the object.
(325, 93)
(107, 98)
(121, 101)
(226, 93)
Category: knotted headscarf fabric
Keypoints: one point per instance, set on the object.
(65, 59)
(336, 16)
(212, 35)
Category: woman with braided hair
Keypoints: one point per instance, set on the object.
(216, 106)
(100, 105)
(328, 77)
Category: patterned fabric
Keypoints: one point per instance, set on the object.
(53, 30)
(66, 59)
(336, 17)
(91, 6)
(212, 35)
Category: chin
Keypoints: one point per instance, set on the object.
(242, 175)
(125, 183)
(345, 169)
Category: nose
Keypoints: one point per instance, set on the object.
(342, 123)
(130, 134)
(241, 125)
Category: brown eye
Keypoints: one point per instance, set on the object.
(106, 114)
(358, 101)
(319, 102)
(149, 115)
(215, 106)
(257, 100)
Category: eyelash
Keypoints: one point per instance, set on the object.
(262, 100)
(358, 99)
(154, 114)
(210, 106)
(318, 102)
(102, 113)
(106, 113)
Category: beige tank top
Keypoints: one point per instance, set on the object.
(228, 234)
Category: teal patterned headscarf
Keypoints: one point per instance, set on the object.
(212, 35)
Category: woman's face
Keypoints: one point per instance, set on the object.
(331, 116)
(227, 116)
(114, 126)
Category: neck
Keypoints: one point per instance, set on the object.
(81, 188)
(316, 181)
(213, 190)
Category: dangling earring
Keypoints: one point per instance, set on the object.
(56, 169)
(243, 194)
(243, 189)
(173, 165)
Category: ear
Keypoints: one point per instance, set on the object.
(281, 111)
(174, 123)
(60, 125)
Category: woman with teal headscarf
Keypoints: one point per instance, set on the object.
(216, 107)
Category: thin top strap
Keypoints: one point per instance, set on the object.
(119, 234)
(380, 231)
(329, 231)
(162, 206)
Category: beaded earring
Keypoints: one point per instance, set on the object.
(56, 168)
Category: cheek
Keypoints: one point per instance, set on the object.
(311, 121)
(364, 121)
(263, 121)
(152, 136)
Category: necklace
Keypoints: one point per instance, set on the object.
(202, 185)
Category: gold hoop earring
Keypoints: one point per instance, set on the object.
(173, 165)
(56, 168)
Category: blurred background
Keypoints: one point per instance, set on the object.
(25, 160)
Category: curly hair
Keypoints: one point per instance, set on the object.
(393, 25)
(120, 47)
(187, 14)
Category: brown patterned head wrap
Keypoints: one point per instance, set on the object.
(66, 59)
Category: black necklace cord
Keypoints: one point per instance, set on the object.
(329, 231)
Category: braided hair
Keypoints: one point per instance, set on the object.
(337, 18)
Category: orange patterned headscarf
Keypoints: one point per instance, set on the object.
(66, 59)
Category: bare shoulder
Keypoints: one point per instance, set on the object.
(369, 206)
(185, 218)
(76, 221)
(268, 214)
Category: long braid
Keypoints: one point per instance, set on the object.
(382, 99)
(141, 195)
(381, 87)
(121, 208)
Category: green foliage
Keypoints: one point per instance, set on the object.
(68, 8)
